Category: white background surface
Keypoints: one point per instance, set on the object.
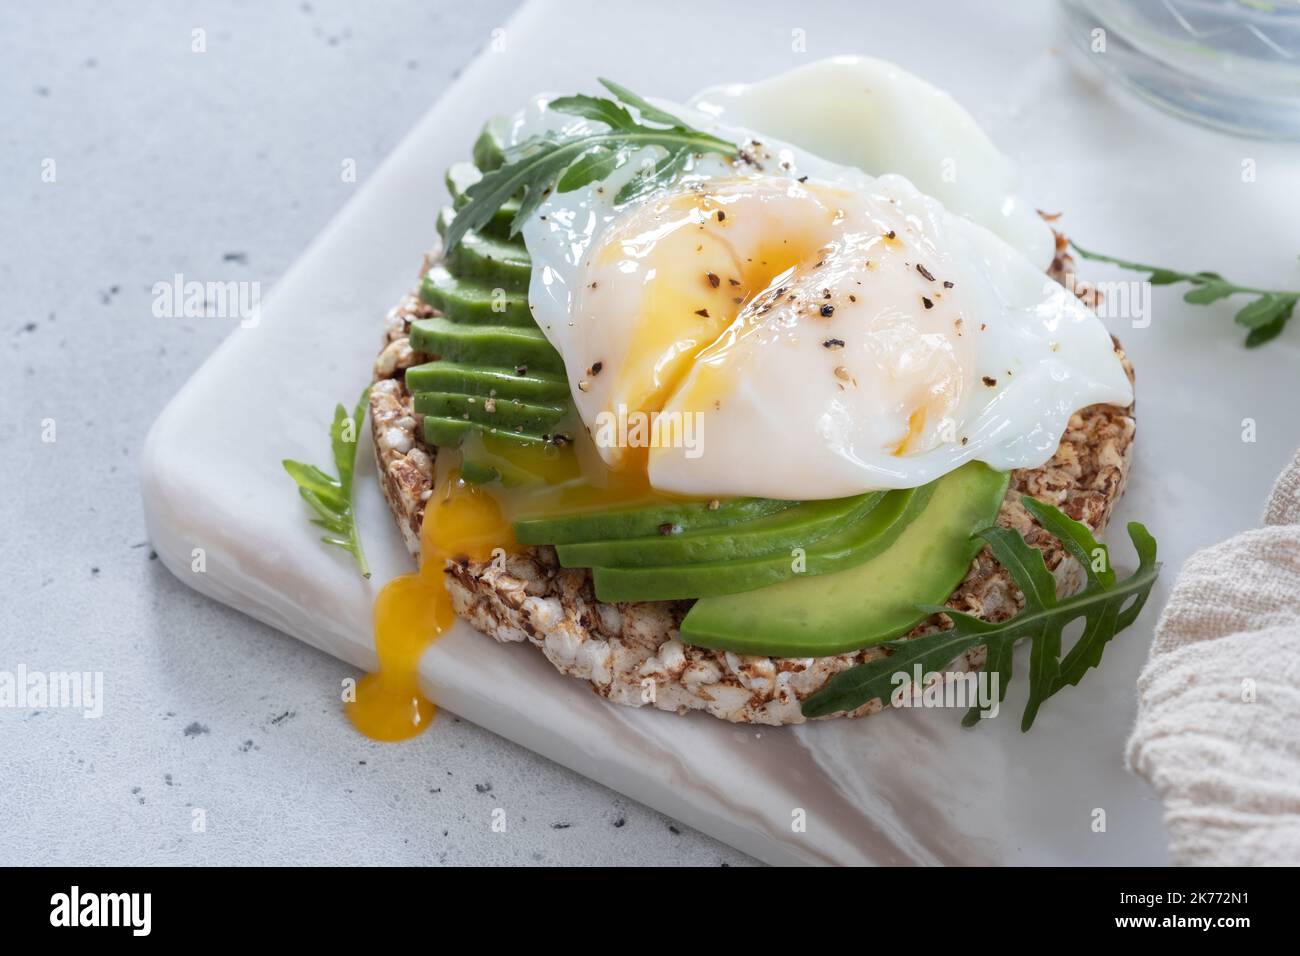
(166, 162)
(167, 170)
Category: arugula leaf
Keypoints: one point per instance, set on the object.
(329, 497)
(1265, 315)
(647, 110)
(566, 162)
(597, 164)
(668, 166)
(594, 108)
(1107, 606)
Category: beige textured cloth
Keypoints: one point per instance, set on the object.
(1218, 725)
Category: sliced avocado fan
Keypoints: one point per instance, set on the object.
(872, 601)
(494, 371)
(769, 577)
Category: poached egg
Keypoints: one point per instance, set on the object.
(784, 325)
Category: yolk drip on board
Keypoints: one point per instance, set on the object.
(463, 521)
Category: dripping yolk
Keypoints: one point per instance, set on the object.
(461, 521)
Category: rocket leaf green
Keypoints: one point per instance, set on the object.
(1265, 315)
(1106, 605)
(565, 162)
(329, 496)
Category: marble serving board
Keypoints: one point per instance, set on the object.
(903, 787)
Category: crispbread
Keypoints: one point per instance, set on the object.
(629, 653)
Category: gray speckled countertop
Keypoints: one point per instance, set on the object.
(223, 164)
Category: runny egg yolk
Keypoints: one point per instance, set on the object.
(702, 257)
(466, 521)
(915, 426)
(698, 295)
(460, 521)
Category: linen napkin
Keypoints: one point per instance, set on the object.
(1218, 724)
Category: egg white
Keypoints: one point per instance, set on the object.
(793, 418)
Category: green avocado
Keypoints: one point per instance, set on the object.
(504, 413)
(459, 177)
(477, 472)
(495, 263)
(796, 527)
(463, 175)
(493, 345)
(471, 302)
(665, 517)
(489, 148)
(484, 380)
(872, 602)
(853, 543)
(451, 432)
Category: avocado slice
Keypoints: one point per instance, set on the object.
(459, 177)
(477, 472)
(642, 521)
(501, 413)
(852, 544)
(496, 263)
(463, 175)
(494, 373)
(474, 303)
(486, 344)
(876, 600)
(447, 376)
(451, 432)
(490, 148)
(796, 527)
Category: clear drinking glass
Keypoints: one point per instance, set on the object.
(1231, 64)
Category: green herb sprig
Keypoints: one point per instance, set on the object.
(330, 497)
(1107, 606)
(1265, 315)
(565, 163)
